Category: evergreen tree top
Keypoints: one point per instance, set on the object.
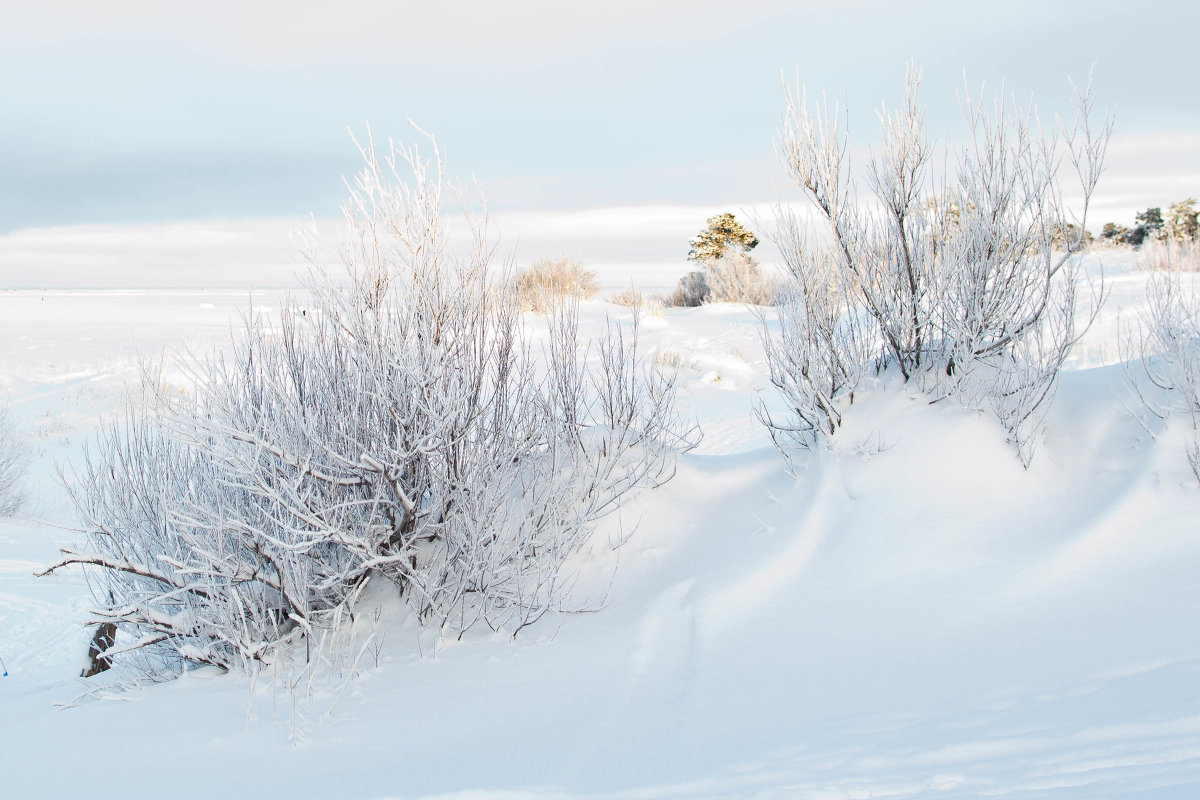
(722, 233)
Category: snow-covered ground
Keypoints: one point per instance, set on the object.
(913, 615)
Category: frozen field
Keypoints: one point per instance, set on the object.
(913, 615)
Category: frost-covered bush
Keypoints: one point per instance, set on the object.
(1167, 346)
(738, 278)
(820, 350)
(642, 303)
(691, 291)
(1170, 255)
(13, 461)
(399, 428)
(731, 278)
(960, 282)
(548, 281)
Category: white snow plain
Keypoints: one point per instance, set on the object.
(913, 615)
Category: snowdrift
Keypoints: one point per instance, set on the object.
(912, 614)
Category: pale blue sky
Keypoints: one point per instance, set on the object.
(135, 111)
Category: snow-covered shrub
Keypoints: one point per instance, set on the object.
(731, 278)
(1168, 348)
(737, 278)
(401, 427)
(629, 298)
(645, 304)
(691, 291)
(963, 281)
(821, 349)
(549, 280)
(1170, 255)
(13, 461)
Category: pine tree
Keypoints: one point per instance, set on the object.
(723, 233)
(1148, 224)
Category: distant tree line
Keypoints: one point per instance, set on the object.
(1180, 223)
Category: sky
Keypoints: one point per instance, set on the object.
(134, 111)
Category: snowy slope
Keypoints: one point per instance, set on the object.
(912, 615)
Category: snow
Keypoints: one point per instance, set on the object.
(913, 614)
